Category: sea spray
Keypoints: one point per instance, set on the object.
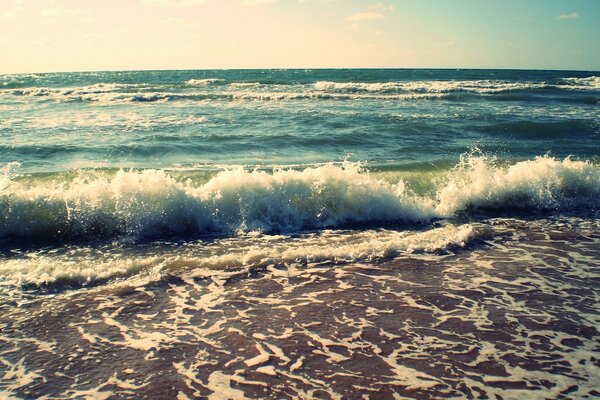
(154, 204)
(543, 183)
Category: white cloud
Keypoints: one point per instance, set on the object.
(191, 3)
(258, 2)
(364, 16)
(572, 15)
(381, 7)
(60, 12)
(173, 3)
(372, 12)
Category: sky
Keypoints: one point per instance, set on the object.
(93, 35)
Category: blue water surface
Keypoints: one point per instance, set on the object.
(199, 119)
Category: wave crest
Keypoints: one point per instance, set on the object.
(152, 203)
(592, 82)
(543, 183)
(93, 266)
(204, 82)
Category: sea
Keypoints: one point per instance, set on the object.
(300, 234)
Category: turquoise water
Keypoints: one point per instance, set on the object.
(190, 119)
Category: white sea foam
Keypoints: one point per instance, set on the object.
(432, 86)
(99, 92)
(201, 89)
(592, 82)
(542, 183)
(237, 93)
(91, 266)
(203, 82)
(244, 84)
(326, 95)
(152, 203)
(125, 121)
(240, 203)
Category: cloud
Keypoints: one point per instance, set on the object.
(173, 3)
(258, 2)
(61, 12)
(372, 12)
(381, 7)
(364, 16)
(191, 3)
(57, 14)
(572, 15)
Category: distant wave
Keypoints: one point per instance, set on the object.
(151, 203)
(111, 96)
(440, 86)
(214, 88)
(204, 82)
(592, 82)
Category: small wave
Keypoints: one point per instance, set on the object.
(274, 96)
(359, 86)
(81, 90)
(99, 92)
(215, 88)
(78, 267)
(484, 86)
(109, 95)
(204, 82)
(236, 85)
(433, 86)
(592, 82)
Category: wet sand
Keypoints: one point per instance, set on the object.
(512, 317)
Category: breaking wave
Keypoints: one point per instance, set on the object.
(154, 204)
(450, 86)
(592, 82)
(203, 82)
(92, 266)
(215, 88)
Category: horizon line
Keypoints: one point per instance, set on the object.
(303, 68)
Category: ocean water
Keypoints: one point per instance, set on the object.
(300, 234)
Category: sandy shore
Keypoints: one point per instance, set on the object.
(512, 318)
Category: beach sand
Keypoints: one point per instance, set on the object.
(513, 315)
